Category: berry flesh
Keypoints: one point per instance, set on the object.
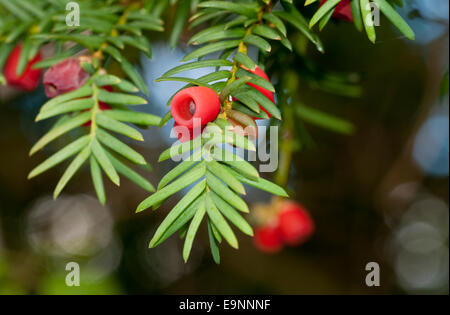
(195, 103)
(296, 225)
(268, 238)
(64, 77)
(29, 79)
(343, 10)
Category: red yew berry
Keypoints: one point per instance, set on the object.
(296, 225)
(64, 77)
(268, 238)
(29, 79)
(195, 102)
(343, 10)
(270, 95)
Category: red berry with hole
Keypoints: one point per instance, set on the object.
(268, 238)
(343, 10)
(195, 103)
(64, 77)
(29, 79)
(296, 224)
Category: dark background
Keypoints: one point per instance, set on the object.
(370, 196)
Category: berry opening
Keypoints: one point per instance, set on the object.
(187, 109)
(192, 108)
(195, 103)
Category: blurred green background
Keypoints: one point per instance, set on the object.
(380, 194)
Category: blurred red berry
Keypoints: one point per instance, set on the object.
(29, 79)
(296, 224)
(343, 10)
(104, 106)
(268, 238)
(195, 103)
(270, 95)
(64, 77)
